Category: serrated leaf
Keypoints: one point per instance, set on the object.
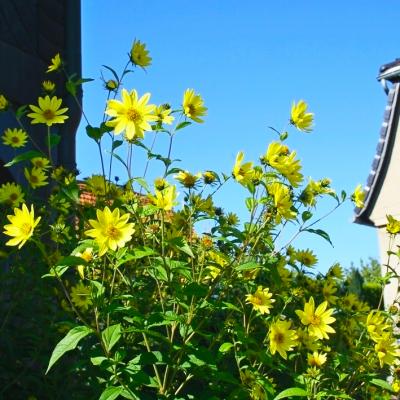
(23, 157)
(136, 254)
(111, 393)
(69, 342)
(295, 392)
(225, 347)
(182, 125)
(321, 233)
(111, 335)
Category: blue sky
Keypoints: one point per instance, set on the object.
(249, 61)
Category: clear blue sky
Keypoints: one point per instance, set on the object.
(249, 61)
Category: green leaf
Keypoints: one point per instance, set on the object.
(306, 216)
(113, 72)
(142, 182)
(23, 157)
(111, 393)
(381, 383)
(111, 335)
(195, 289)
(225, 347)
(116, 144)
(136, 254)
(94, 133)
(295, 392)
(153, 357)
(182, 245)
(69, 342)
(231, 306)
(21, 111)
(64, 264)
(182, 125)
(97, 289)
(321, 233)
(248, 265)
(71, 87)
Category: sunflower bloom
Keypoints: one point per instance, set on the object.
(3, 103)
(40, 162)
(358, 197)
(11, 193)
(48, 86)
(243, 173)
(165, 199)
(14, 137)
(111, 230)
(163, 114)
(56, 63)
(80, 296)
(87, 255)
(139, 54)
(282, 201)
(282, 338)
(23, 223)
(306, 257)
(131, 115)
(393, 225)
(377, 325)
(387, 350)
(187, 179)
(261, 300)
(318, 320)
(300, 118)
(48, 112)
(193, 106)
(36, 177)
(316, 359)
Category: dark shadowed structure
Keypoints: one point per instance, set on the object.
(32, 32)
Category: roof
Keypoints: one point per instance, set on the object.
(387, 73)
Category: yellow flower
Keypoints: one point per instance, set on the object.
(111, 230)
(335, 271)
(193, 105)
(282, 201)
(87, 255)
(36, 177)
(48, 86)
(393, 225)
(243, 173)
(358, 197)
(396, 386)
(3, 103)
(165, 199)
(56, 63)
(160, 183)
(209, 177)
(163, 114)
(306, 341)
(316, 359)
(282, 338)
(306, 257)
(387, 350)
(261, 300)
(377, 325)
(187, 179)
(22, 225)
(318, 320)
(11, 193)
(15, 137)
(278, 157)
(40, 162)
(139, 54)
(328, 292)
(48, 112)
(131, 115)
(80, 296)
(300, 118)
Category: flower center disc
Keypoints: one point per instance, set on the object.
(48, 114)
(133, 115)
